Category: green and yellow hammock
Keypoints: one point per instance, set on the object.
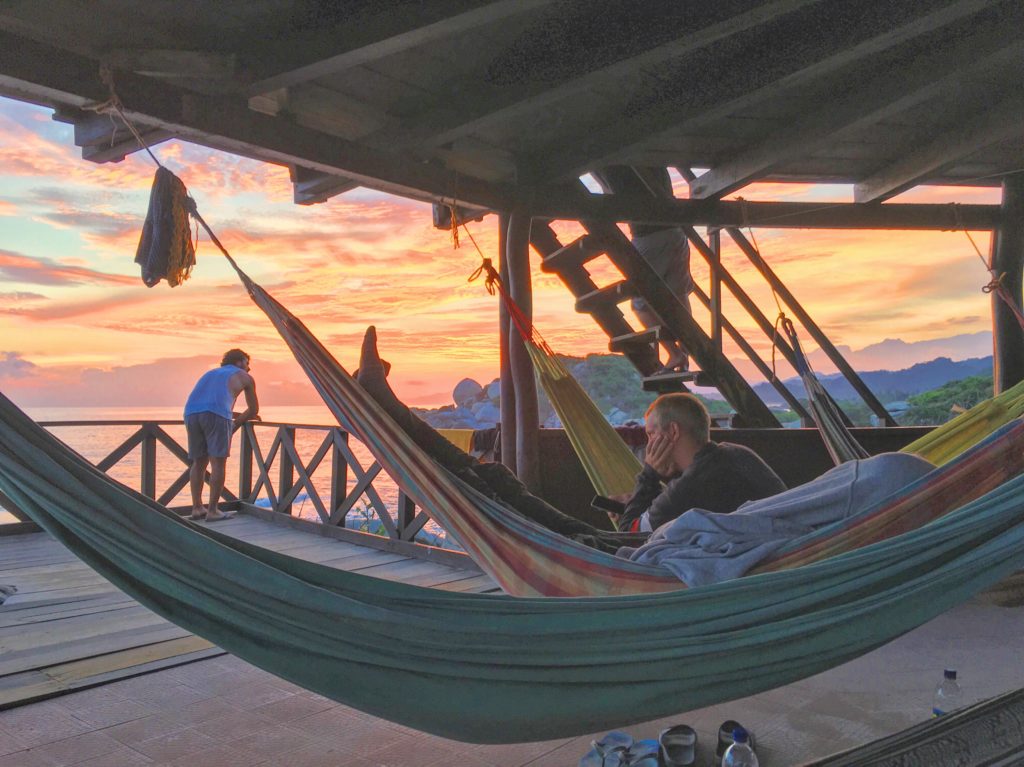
(494, 669)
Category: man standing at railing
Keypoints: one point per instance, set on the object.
(209, 423)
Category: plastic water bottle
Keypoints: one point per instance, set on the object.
(948, 695)
(739, 754)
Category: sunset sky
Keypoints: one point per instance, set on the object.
(78, 327)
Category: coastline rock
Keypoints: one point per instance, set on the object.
(466, 391)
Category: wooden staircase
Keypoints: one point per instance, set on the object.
(641, 347)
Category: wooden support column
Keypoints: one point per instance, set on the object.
(715, 292)
(507, 397)
(1008, 258)
(517, 256)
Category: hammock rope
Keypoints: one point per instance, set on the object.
(995, 283)
(839, 442)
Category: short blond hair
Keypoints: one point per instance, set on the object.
(685, 410)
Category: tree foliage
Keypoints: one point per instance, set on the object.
(939, 405)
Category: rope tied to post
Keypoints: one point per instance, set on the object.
(995, 284)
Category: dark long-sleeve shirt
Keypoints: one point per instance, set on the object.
(722, 477)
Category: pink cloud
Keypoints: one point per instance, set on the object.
(44, 271)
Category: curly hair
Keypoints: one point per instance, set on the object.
(235, 357)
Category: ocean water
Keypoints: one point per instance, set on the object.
(99, 438)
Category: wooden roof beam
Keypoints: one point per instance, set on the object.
(1003, 121)
(566, 202)
(943, 71)
(485, 109)
(27, 72)
(104, 138)
(310, 187)
(742, 88)
(367, 37)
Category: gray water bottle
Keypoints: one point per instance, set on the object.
(948, 695)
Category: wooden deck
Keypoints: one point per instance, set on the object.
(67, 628)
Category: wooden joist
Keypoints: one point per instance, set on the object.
(362, 38)
(996, 123)
(938, 71)
(681, 100)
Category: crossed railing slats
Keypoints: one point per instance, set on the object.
(257, 464)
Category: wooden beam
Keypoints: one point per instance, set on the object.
(312, 186)
(943, 71)
(683, 100)
(368, 37)
(27, 72)
(564, 202)
(1004, 120)
(1007, 258)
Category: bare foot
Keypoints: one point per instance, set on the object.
(198, 512)
(211, 517)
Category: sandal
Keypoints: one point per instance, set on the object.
(609, 751)
(678, 746)
(725, 738)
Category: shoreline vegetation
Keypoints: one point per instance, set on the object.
(926, 394)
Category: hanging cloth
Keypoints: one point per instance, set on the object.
(166, 251)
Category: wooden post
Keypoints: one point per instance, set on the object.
(148, 448)
(1008, 258)
(286, 470)
(245, 457)
(715, 292)
(507, 402)
(339, 471)
(517, 249)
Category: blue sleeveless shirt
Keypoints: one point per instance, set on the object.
(211, 393)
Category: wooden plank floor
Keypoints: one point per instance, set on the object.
(67, 628)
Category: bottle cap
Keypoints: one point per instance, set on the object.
(739, 735)
(949, 673)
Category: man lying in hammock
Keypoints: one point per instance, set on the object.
(684, 469)
(675, 450)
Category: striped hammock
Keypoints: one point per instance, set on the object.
(529, 560)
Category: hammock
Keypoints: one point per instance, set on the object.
(529, 560)
(607, 460)
(954, 437)
(840, 444)
(495, 669)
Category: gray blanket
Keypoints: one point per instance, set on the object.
(701, 547)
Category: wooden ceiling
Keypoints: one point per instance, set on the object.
(504, 104)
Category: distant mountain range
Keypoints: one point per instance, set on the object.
(890, 385)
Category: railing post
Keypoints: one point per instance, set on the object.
(245, 440)
(339, 472)
(286, 469)
(148, 461)
(405, 514)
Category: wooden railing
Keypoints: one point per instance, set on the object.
(269, 465)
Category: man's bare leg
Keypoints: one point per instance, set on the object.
(677, 356)
(196, 477)
(216, 487)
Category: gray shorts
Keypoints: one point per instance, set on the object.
(668, 252)
(209, 436)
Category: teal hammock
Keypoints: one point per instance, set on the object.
(496, 669)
